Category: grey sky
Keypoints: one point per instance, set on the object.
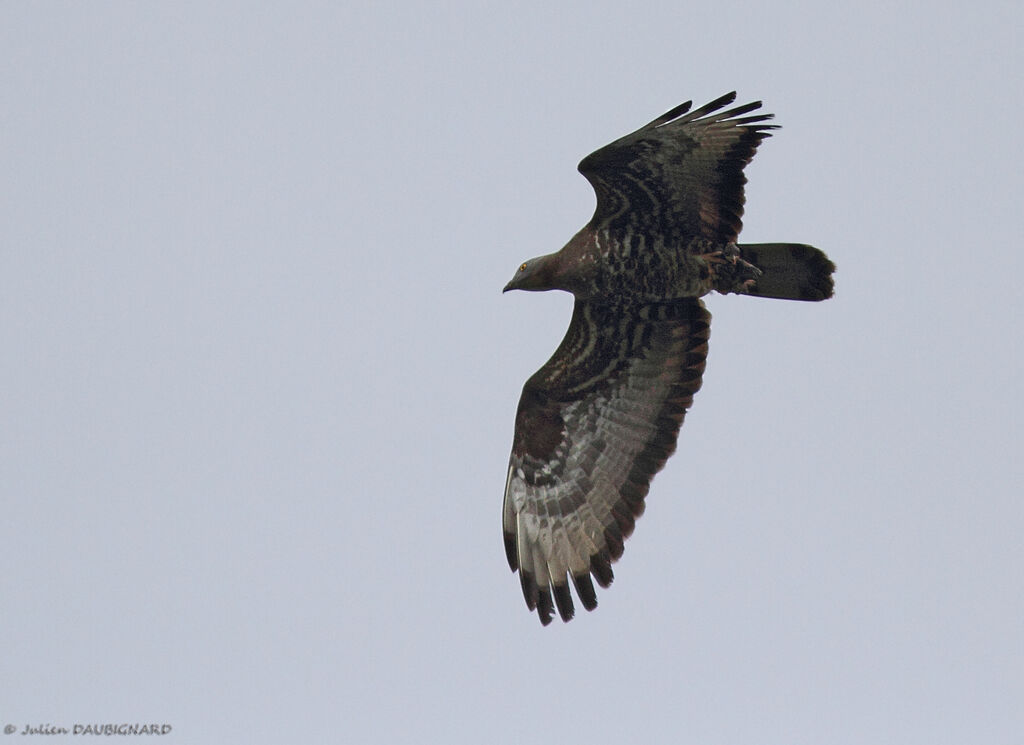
(259, 380)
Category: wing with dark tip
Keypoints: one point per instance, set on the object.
(593, 426)
(680, 176)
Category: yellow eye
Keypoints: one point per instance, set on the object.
(522, 267)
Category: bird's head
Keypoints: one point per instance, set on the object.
(535, 274)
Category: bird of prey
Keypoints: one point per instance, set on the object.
(602, 416)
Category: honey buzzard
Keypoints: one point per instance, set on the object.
(602, 416)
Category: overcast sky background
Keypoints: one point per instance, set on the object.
(258, 378)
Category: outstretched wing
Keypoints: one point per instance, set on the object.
(593, 427)
(680, 176)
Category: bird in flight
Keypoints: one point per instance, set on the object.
(602, 416)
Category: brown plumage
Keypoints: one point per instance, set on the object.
(598, 420)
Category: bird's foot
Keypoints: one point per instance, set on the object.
(729, 271)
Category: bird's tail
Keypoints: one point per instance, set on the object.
(791, 271)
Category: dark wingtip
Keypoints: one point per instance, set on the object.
(545, 609)
(672, 113)
(613, 539)
(563, 601)
(530, 590)
(601, 568)
(723, 100)
(510, 550)
(715, 105)
(585, 589)
(683, 113)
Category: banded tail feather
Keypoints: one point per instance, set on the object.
(791, 271)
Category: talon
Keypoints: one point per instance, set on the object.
(732, 252)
